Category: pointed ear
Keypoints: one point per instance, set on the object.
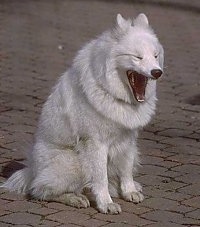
(141, 20)
(122, 23)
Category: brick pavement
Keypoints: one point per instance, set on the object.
(38, 40)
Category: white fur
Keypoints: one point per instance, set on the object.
(89, 124)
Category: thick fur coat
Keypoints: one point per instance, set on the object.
(86, 138)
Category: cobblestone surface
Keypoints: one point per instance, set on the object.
(38, 40)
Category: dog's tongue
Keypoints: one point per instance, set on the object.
(138, 84)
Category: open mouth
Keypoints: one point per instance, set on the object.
(138, 83)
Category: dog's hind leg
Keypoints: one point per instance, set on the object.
(52, 189)
(71, 199)
(60, 179)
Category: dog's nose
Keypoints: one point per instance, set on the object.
(156, 73)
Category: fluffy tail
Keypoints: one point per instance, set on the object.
(18, 181)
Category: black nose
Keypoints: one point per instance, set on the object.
(156, 73)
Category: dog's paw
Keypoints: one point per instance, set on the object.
(135, 197)
(138, 186)
(110, 208)
(78, 201)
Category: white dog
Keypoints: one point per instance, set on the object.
(88, 127)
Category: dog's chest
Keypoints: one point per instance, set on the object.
(112, 133)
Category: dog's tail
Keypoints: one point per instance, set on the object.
(18, 182)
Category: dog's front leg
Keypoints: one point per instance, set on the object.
(130, 189)
(123, 163)
(99, 180)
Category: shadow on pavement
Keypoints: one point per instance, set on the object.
(195, 100)
(10, 168)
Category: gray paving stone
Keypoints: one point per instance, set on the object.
(185, 159)
(133, 208)
(188, 221)
(181, 141)
(162, 204)
(21, 219)
(59, 206)
(4, 212)
(187, 168)
(3, 202)
(11, 196)
(166, 204)
(176, 196)
(92, 222)
(89, 210)
(194, 214)
(68, 225)
(123, 218)
(68, 217)
(193, 202)
(191, 189)
(182, 150)
(190, 178)
(174, 132)
(5, 225)
(118, 225)
(168, 164)
(42, 211)
(47, 223)
(21, 206)
(166, 224)
(151, 160)
(171, 174)
(152, 170)
(153, 180)
(162, 216)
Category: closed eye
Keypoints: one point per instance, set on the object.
(132, 55)
(138, 57)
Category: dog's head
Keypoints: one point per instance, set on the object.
(138, 56)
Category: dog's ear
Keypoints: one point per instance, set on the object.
(141, 20)
(122, 23)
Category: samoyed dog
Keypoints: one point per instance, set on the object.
(86, 138)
